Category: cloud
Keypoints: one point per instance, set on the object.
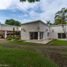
(45, 9)
(4, 4)
(50, 7)
(26, 5)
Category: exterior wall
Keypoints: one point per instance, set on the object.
(65, 28)
(26, 28)
(44, 28)
(55, 30)
(9, 28)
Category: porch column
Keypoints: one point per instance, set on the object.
(38, 35)
(5, 35)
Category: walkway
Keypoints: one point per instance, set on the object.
(39, 41)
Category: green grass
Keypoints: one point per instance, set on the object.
(23, 58)
(22, 42)
(58, 43)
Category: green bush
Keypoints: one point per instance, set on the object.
(11, 37)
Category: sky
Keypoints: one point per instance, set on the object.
(24, 12)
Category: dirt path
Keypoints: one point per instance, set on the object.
(57, 54)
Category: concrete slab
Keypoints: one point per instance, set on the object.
(39, 41)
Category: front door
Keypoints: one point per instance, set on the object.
(33, 35)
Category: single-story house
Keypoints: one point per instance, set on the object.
(38, 30)
(35, 30)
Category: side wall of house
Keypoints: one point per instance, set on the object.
(9, 28)
(54, 30)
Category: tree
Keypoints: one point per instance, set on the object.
(30, 1)
(61, 18)
(12, 22)
(49, 23)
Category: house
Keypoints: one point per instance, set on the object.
(58, 31)
(6, 30)
(35, 30)
(38, 30)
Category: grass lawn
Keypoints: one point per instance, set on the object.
(22, 42)
(58, 43)
(16, 57)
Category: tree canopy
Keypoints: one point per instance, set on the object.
(61, 16)
(12, 22)
(30, 1)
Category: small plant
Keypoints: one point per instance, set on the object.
(13, 37)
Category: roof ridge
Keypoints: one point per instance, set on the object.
(34, 22)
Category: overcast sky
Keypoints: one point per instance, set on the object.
(44, 10)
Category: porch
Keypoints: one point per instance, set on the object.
(4, 34)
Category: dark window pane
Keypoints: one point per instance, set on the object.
(33, 35)
(48, 34)
(59, 35)
(63, 35)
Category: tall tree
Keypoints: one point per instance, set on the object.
(12, 22)
(61, 18)
(30, 1)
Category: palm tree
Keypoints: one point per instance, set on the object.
(60, 18)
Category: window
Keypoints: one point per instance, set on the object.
(48, 34)
(41, 35)
(34, 35)
(61, 35)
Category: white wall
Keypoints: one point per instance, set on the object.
(26, 28)
(55, 29)
(44, 28)
(9, 28)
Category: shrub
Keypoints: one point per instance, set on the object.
(10, 37)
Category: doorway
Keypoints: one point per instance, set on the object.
(33, 35)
